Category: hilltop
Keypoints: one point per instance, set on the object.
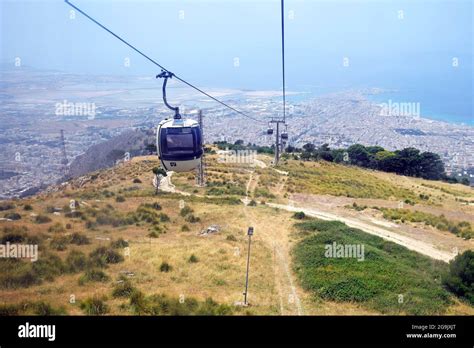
(109, 242)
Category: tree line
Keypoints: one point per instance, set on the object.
(409, 161)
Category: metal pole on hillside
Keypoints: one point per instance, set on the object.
(249, 233)
(200, 168)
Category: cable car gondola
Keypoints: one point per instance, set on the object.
(178, 140)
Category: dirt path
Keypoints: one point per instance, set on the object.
(380, 230)
(277, 239)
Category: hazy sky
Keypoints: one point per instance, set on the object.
(201, 40)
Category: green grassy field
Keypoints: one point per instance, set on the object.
(391, 279)
(337, 180)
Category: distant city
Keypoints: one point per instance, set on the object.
(50, 118)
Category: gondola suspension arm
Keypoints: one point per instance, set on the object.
(168, 75)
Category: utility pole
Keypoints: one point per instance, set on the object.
(249, 233)
(200, 168)
(277, 140)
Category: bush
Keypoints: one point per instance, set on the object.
(184, 228)
(192, 219)
(13, 216)
(79, 239)
(102, 256)
(120, 199)
(13, 237)
(95, 306)
(119, 243)
(27, 207)
(6, 206)
(27, 308)
(299, 215)
(231, 237)
(93, 275)
(45, 309)
(76, 261)
(460, 279)
(185, 211)
(193, 259)
(153, 234)
(123, 289)
(48, 267)
(59, 243)
(42, 219)
(164, 217)
(163, 305)
(137, 181)
(154, 205)
(165, 267)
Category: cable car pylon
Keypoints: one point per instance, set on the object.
(280, 141)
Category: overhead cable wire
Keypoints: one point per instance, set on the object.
(283, 55)
(159, 65)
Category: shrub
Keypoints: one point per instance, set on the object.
(27, 207)
(76, 261)
(27, 308)
(93, 275)
(154, 205)
(13, 237)
(13, 216)
(79, 239)
(185, 228)
(164, 217)
(17, 273)
(68, 226)
(42, 219)
(48, 267)
(123, 289)
(460, 279)
(9, 310)
(193, 259)
(45, 309)
(120, 199)
(192, 219)
(50, 209)
(95, 306)
(102, 256)
(299, 215)
(185, 211)
(153, 234)
(231, 237)
(59, 243)
(163, 305)
(119, 243)
(6, 206)
(165, 267)
(252, 203)
(137, 181)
